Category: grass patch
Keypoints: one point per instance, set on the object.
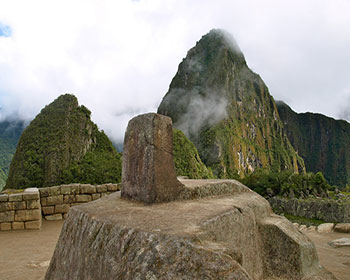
(303, 220)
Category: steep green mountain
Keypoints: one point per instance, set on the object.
(63, 145)
(323, 142)
(10, 131)
(226, 110)
(186, 158)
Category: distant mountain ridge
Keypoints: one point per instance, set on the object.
(63, 145)
(321, 141)
(227, 111)
(10, 131)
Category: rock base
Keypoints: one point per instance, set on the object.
(223, 231)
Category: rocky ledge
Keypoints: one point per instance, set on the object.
(217, 230)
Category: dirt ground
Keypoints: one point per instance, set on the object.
(335, 260)
(25, 255)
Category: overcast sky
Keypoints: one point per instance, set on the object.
(118, 57)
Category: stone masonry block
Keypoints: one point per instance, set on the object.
(33, 204)
(53, 200)
(62, 208)
(4, 198)
(8, 216)
(48, 210)
(148, 172)
(5, 226)
(54, 191)
(75, 188)
(6, 206)
(17, 225)
(31, 196)
(95, 196)
(55, 217)
(20, 205)
(101, 188)
(44, 192)
(27, 215)
(43, 201)
(33, 224)
(16, 197)
(83, 198)
(69, 198)
(66, 189)
(113, 187)
(87, 189)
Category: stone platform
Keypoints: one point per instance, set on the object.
(217, 229)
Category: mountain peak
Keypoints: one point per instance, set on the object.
(223, 37)
(227, 111)
(63, 145)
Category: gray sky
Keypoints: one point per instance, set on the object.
(118, 57)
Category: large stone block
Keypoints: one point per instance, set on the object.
(69, 198)
(54, 191)
(54, 200)
(4, 198)
(43, 201)
(220, 234)
(33, 224)
(7, 216)
(6, 206)
(5, 226)
(96, 196)
(31, 196)
(54, 217)
(325, 228)
(44, 192)
(148, 172)
(48, 210)
(342, 227)
(33, 204)
(19, 205)
(113, 187)
(62, 208)
(27, 215)
(17, 225)
(16, 197)
(66, 189)
(101, 188)
(87, 189)
(83, 198)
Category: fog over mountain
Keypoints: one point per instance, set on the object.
(118, 57)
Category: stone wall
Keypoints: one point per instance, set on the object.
(24, 210)
(328, 210)
(56, 201)
(20, 210)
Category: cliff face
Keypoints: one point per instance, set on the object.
(62, 145)
(227, 111)
(322, 142)
(186, 158)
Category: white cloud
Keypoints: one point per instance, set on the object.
(118, 57)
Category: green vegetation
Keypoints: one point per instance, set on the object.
(321, 141)
(186, 158)
(303, 220)
(99, 165)
(287, 183)
(226, 110)
(10, 132)
(62, 145)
